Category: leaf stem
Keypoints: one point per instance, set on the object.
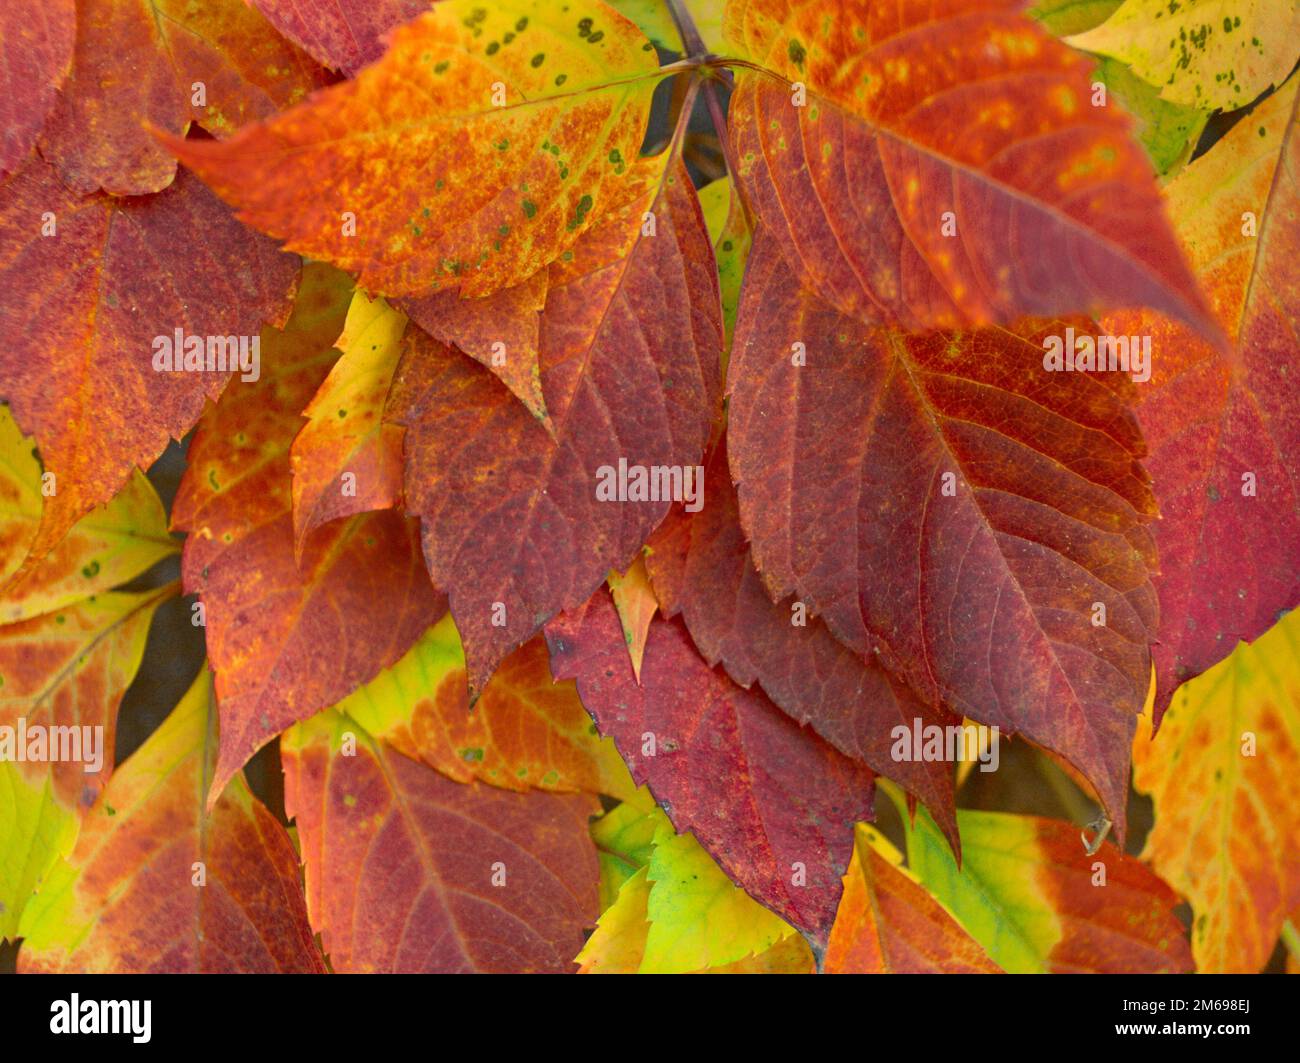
(692, 42)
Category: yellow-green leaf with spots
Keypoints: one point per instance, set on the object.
(478, 149)
(731, 241)
(109, 546)
(1203, 53)
(1222, 774)
(524, 732)
(35, 830)
(1031, 895)
(347, 459)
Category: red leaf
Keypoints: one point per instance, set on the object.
(630, 342)
(80, 310)
(408, 871)
(35, 54)
(770, 801)
(852, 702)
(944, 501)
(342, 34)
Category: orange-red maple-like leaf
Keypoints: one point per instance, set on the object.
(947, 165)
(342, 34)
(408, 871)
(88, 285)
(287, 637)
(944, 500)
(158, 885)
(512, 520)
(1224, 432)
(773, 803)
(478, 149)
(851, 701)
(36, 41)
(888, 923)
(164, 63)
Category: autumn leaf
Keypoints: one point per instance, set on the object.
(947, 167)
(848, 699)
(342, 34)
(408, 871)
(107, 547)
(770, 801)
(513, 521)
(36, 830)
(289, 635)
(1202, 53)
(635, 601)
(679, 913)
(347, 459)
(215, 63)
(78, 370)
(1037, 902)
(944, 501)
(1221, 773)
(155, 884)
(535, 112)
(524, 732)
(501, 331)
(888, 924)
(731, 242)
(36, 42)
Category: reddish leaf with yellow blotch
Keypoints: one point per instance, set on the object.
(946, 502)
(851, 701)
(534, 115)
(166, 64)
(1038, 902)
(92, 293)
(347, 458)
(289, 635)
(36, 40)
(500, 331)
(408, 871)
(1224, 432)
(342, 34)
(513, 519)
(1222, 776)
(888, 924)
(945, 166)
(524, 732)
(770, 801)
(69, 669)
(156, 885)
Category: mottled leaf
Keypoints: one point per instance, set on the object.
(532, 113)
(1037, 902)
(771, 802)
(524, 732)
(947, 166)
(157, 885)
(164, 63)
(888, 924)
(106, 548)
(946, 502)
(408, 871)
(1224, 432)
(288, 634)
(81, 310)
(36, 40)
(512, 521)
(347, 459)
(342, 34)
(1222, 775)
(1202, 53)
